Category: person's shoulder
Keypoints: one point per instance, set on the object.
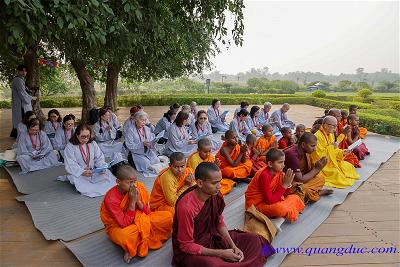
(110, 196)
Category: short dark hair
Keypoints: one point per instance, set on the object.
(180, 118)
(203, 170)
(27, 115)
(214, 102)
(253, 110)
(352, 107)
(242, 112)
(33, 122)
(54, 111)
(244, 104)
(250, 137)
(125, 171)
(68, 118)
(169, 114)
(175, 106)
(285, 129)
(265, 127)
(228, 133)
(81, 127)
(274, 154)
(22, 67)
(175, 157)
(204, 142)
(307, 137)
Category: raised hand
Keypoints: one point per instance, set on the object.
(321, 163)
(346, 130)
(288, 178)
(133, 194)
(189, 179)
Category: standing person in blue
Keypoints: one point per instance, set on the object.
(21, 99)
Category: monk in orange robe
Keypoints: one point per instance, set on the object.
(232, 157)
(264, 143)
(363, 131)
(170, 183)
(128, 220)
(342, 133)
(270, 189)
(203, 154)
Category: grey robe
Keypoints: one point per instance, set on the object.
(207, 132)
(263, 118)
(279, 119)
(234, 126)
(143, 158)
(25, 152)
(21, 100)
(49, 129)
(217, 121)
(163, 125)
(96, 185)
(252, 126)
(106, 140)
(60, 140)
(178, 141)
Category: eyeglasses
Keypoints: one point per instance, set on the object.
(333, 125)
(69, 124)
(84, 136)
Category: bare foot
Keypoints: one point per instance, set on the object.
(326, 192)
(127, 257)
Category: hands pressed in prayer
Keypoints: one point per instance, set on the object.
(189, 179)
(320, 164)
(346, 129)
(133, 196)
(87, 173)
(243, 148)
(139, 205)
(230, 255)
(288, 178)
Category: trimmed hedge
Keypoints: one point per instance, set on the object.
(379, 123)
(328, 103)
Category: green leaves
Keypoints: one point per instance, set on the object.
(60, 22)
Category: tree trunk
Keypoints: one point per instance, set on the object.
(33, 80)
(87, 86)
(110, 98)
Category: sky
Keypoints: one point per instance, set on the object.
(331, 37)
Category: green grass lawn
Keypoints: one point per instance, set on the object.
(350, 94)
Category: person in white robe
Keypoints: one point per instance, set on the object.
(178, 137)
(164, 124)
(81, 157)
(34, 150)
(105, 134)
(216, 118)
(202, 129)
(193, 109)
(253, 122)
(243, 105)
(54, 121)
(22, 125)
(239, 125)
(279, 118)
(191, 120)
(64, 134)
(140, 141)
(264, 116)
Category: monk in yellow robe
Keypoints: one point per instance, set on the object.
(270, 191)
(264, 143)
(128, 220)
(170, 183)
(298, 158)
(232, 157)
(337, 172)
(203, 154)
(363, 131)
(341, 137)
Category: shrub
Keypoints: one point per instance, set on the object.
(319, 93)
(5, 104)
(365, 95)
(379, 123)
(328, 103)
(395, 105)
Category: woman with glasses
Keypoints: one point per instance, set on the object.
(178, 137)
(34, 150)
(105, 134)
(54, 122)
(141, 143)
(202, 128)
(63, 134)
(85, 164)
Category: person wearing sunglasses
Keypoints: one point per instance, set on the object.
(202, 128)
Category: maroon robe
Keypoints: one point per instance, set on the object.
(255, 248)
(361, 151)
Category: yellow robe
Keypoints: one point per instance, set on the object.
(338, 172)
(194, 160)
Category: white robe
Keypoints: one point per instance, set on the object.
(178, 141)
(263, 118)
(279, 119)
(142, 159)
(241, 130)
(20, 99)
(25, 152)
(106, 141)
(162, 125)
(207, 132)
(49, 129)
(60, 141)
(217, 120)
(251, 126)
(96, 185)
(114, 121)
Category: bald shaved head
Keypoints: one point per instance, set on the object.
(335, 113)
(329, 124)
(229, 134)
(285, 107)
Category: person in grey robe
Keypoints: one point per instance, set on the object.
(85, 165)
(163, 125)
(34, 150)
(202, 129)
(264, 116)
(216, 118)
(179, 138)
(20, 98)
(279, 118)
(243, 105)
(63, 134)
(193, 109)
(54, 121)
(140, 141)
(252, 121)
(22, 125)
(239, 125)
(105, 134)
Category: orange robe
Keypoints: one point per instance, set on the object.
(313, 186)
(242, 170)
(147, 231)
(160, 200)
(263, 145)
(288, 207)
(363, 132)
(351, 157)
(194, 160)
